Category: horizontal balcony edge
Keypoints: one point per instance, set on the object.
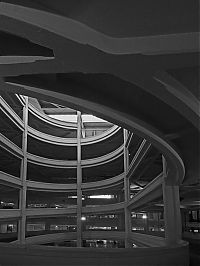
(50, 120)
(14, 181)
(116, 207)
(10, 213)
(8, 179)
(47, 212)
(10, 146)
(73, 163)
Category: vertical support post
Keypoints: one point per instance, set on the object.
(23, 174)
(127, 213)
(47, 225)
(79, 182)
(172, 214)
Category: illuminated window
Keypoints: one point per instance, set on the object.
(101, 197)
(35, 227)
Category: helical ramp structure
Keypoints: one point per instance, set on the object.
(91, 58)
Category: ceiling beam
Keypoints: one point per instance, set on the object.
(81, 33)
(59, 111)
(178, 90)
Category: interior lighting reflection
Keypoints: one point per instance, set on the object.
(144, 216)
(101, 196)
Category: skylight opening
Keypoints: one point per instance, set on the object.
(92, 118)
(73, 118)
(65, 118)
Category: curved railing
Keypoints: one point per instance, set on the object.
(14, 181)
(17, 151)
(51, 139)
(67, 141)
(37, 160)
(150, 192)
(8, 145)
(103, 159)
(48, 238)
(10, 214)
(114, 208)
(174, 160)
(84, 141)
(139, 239)
(71, 163)
(8, 179)
(51, 121)
(163, 256)
(53, 187)
(47, 212)
(71, 141)
(89, 186)
(103, 184)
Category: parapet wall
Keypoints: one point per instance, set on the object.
(39, 255)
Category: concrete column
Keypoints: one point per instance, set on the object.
(172, 214)
(79, 182)
(127, 212)
(23, 173)
(121, 219)
(47, 225)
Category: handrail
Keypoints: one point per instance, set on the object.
(51, 139)
(110, 235)
(151, 191)
(14, 181)
(42, 239)
(102, 184)
(72, 163)
(115, 207)
(103, 159)
(84, 141)
(50, 120)
(10, 179)
(38, 160)
(90, 186)
(10, 146)
(5, 107)
(45, 238)
(46, 212)
(10, 213)
(71, 141)
(147, 240)
(51, 187)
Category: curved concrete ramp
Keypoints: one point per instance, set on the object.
(40, 255)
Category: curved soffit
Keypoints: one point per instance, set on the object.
(81, 33)
(128, 126)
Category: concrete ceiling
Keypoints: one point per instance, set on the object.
(145, 80)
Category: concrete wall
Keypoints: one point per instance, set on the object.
(40, 255)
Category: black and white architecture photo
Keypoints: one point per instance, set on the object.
(99, 133)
